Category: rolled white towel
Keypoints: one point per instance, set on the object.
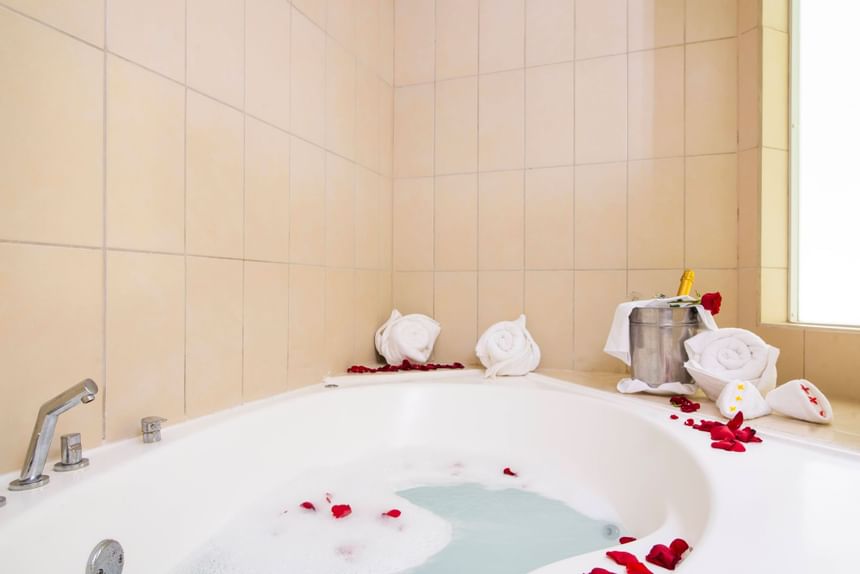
(719, 357)
(507, 348)
(407, 337)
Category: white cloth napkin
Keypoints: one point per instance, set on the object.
(618, 341)
(740, 396)
(802, 400)
(407, 337)
(717, 358)
(507, 348)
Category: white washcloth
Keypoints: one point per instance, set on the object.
(618, 341)
(407, 337)
(739, 396)
(802, 400)
(507, 348)
(717, 358)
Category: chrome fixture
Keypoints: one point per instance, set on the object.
(151, 428)
(106, 558)
(71, 453)
(43, 432)
(2, 501)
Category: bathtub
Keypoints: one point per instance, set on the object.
(783, 506)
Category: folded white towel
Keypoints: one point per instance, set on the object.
(744, 397)
(507, 348)
(630, 386)
(618, 341)
(407, 337)
(717, 358)
(802, 400)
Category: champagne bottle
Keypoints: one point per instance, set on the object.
(686, 282)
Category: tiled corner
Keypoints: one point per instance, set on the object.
(83, 19)
(456, 120)
(307, 203)
(711, 19)
(339, 319)
(307, 78)
(413, 130)
(340, 212)
(340, 100)
(306, 355)
(413, 292)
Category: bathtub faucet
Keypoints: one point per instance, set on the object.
(43, 433)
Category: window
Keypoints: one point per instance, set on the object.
(825, 163)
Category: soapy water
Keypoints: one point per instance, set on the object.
(459, 514)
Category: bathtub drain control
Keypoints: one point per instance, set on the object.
(106, 558)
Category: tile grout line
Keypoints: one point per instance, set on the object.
(104, 221)
(185, 222)
(244, 184)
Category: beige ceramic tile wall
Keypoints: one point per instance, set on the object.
(553, 157)
(195, 206)
(828, 357)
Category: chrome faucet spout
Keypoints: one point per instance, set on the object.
(43, 433)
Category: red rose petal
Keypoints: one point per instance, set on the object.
(663, 556)
(404, 366)
(393, 513)
(746, 435)
(308, 506)
(722, 433)
(679, 546)
(620, 557)
(341, 510)
(600, 571)
(509, 472)
(737, 421)
(673, 417)
(689, 422)
(626, 540)
(638, 568)
(729, 445)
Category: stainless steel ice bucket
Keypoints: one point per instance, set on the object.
(657, 336)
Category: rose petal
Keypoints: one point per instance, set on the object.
(619, 557)
(673, 417)
(308, 506)
(689, 422)
(600, 571)
(509, 472)
(679, 546)
(737, 421)
(746, 435)
(722, 433)
(341, 510)
(626, 540)
(638, 568)
(729, 445)
(663, 556)
(393, 513)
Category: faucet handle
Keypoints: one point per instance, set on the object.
(71, 453)
(151, 428)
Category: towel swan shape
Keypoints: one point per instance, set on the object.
(406, 337)
(507, 348)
